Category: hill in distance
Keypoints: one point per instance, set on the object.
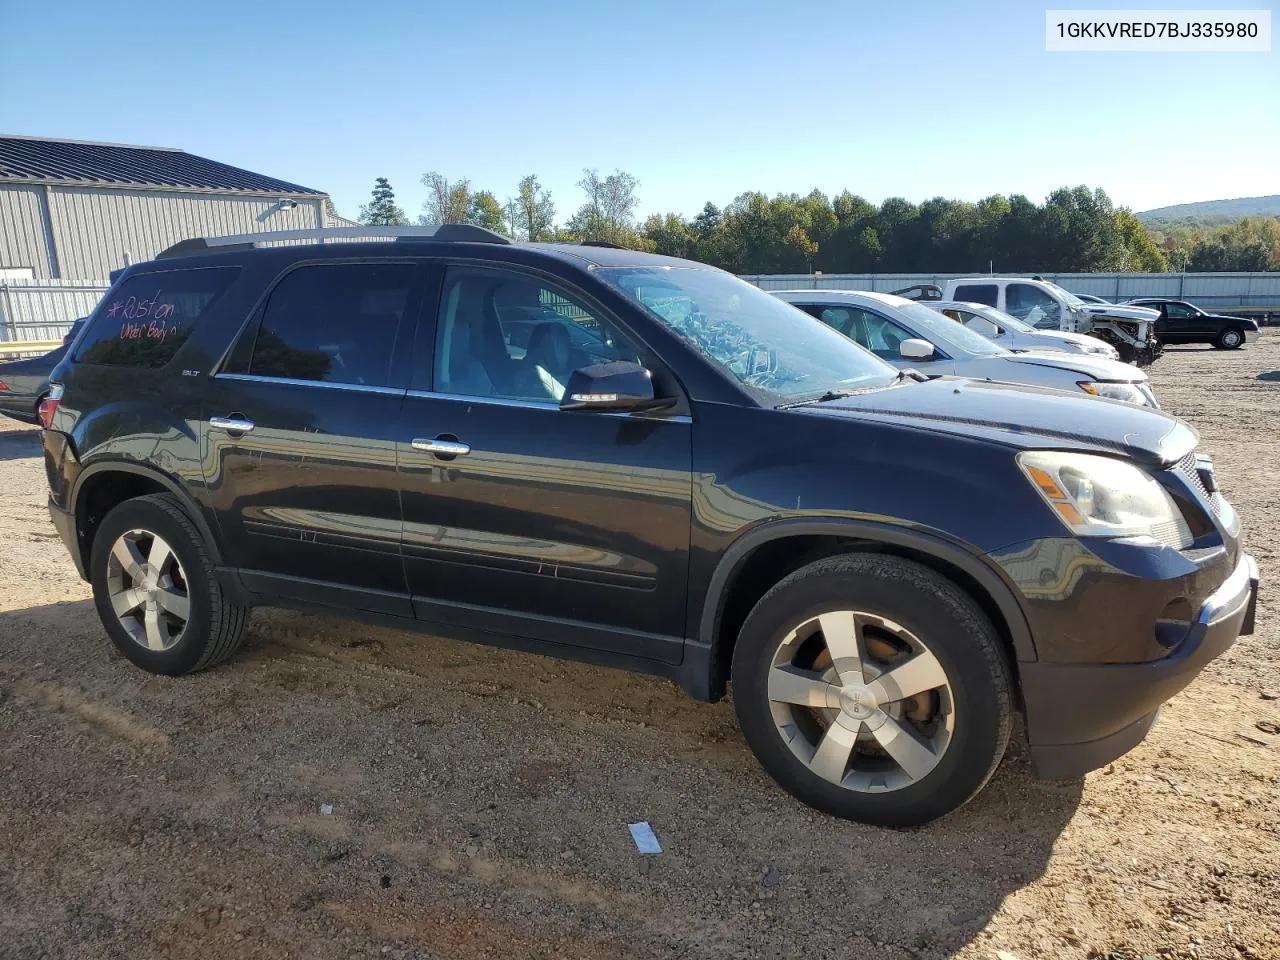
(1213, 212)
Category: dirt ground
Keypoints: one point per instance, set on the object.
(480, 798)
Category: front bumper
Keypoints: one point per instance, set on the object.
(1251, 335)
(1082, 716)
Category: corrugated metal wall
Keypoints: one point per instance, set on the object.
(23, 240)
(96, 230)
(1203, 289)
(44, 309)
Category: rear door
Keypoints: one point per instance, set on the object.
(522, 520)
(300, 435)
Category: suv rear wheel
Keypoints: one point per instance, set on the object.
(873, 689)
(156, 592)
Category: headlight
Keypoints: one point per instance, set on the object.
(1103, 497)
(1128, 392)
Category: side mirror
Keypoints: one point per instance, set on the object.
(618, 385)
(914, 349)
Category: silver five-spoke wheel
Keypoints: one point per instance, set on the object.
(148, 589)
(861, 701)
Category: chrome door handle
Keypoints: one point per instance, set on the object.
(230, 424)
(441, 448)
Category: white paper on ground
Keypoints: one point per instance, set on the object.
(643, 835)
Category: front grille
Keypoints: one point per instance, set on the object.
(1187, 468)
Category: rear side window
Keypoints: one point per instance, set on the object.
(978, 293)
(335, 323)
(144, 321)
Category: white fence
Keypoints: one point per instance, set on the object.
(44, 309)
(1207, 290)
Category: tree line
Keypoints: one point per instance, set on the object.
(1249, 244)
(1075, 230)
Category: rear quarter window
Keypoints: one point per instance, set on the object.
(977, 293)
(145, 320)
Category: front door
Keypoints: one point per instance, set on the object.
(1182, 322)
(524, 520)
(880, 335)
(1032, 306)
(301, 437)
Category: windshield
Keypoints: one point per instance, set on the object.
(769, 346)
(954, 338)
(1005, 320)
(1067, 296)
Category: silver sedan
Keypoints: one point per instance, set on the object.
(908, 334)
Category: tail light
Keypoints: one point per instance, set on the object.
(49, 405)
(3, 386)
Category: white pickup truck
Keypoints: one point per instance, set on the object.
(1035, 301)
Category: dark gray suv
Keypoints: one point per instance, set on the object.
(649, 464)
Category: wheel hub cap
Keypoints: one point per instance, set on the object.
(861, 701)
(857, 701)
(147, 589)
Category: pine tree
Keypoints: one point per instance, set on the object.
(382, 210)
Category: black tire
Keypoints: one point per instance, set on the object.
(1230, 339)
(952, 628)
(215, 627)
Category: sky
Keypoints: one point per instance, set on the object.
(701, 100)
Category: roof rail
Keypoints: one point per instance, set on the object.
(444, 233)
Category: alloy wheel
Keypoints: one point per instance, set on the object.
(148, 589)
(861, 701)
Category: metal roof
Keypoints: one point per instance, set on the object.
(83, 163)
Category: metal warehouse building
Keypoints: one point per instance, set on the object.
(75, 211)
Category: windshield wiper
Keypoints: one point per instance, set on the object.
(824, 398)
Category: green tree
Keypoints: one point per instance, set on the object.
(609, 212)
(447, 202)
(533, 213)
(670, 235)
(483, 210)
(1141, 252)
(382, 210)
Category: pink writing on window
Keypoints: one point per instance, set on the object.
(152, 330)
(135, 309)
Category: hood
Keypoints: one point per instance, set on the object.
(1081, 338)
(1227, 316)
(1023, 417)
(1122, 313)
(1096, 368)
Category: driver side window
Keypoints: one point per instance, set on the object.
(980, 324)
(1177, 310)
(510, 336)
(1032, 304)
(869, 330)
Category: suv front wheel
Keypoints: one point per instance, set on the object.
(156, 591)
(873, 689)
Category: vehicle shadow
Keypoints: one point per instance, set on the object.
(19, 443)
(570, 753)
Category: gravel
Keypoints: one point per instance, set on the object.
(344, 791)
